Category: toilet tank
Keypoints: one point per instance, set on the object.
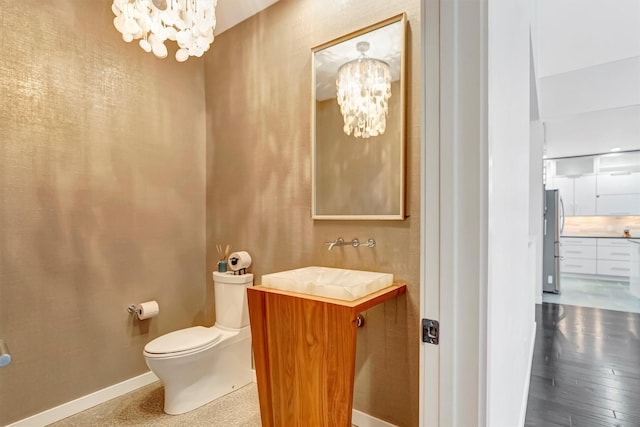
(230, 293)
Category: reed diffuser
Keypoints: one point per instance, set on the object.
(222, 258)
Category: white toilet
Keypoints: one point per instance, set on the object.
(199, 364)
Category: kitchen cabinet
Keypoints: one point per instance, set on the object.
(618, 204)
(618, 183)
(584, 195)
(602, 185)
(578, 255)
(634, 280)
(577, 241)
(578, 193)
(564, 184)
(578, 266)
(618, 194)
(606, 257)
(614, 257)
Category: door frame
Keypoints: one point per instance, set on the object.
(429, 207)
(454, 194)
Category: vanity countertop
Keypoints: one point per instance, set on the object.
(398, 287)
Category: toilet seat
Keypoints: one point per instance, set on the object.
(184, 341)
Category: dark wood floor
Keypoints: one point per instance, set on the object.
(586, 368)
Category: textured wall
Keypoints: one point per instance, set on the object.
(258, 96)
(102, 192)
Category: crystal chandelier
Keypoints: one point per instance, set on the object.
(190, 23)
(364, 89)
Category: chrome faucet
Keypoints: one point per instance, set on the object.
(355, 243)
(338, 242)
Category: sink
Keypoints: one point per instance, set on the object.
(338, 283)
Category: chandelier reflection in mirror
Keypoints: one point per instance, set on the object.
(190, 23)
(364, 89)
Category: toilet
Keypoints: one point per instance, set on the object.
(198, 365)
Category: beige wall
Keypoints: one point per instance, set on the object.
(258, 92)
(102, 191)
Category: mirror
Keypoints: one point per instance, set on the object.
(358, 128)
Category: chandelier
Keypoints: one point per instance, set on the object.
(364, 89)
(190, 23)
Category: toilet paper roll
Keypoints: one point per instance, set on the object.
(147, 309)
(239, 260)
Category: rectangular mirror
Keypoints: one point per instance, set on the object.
(359, 125)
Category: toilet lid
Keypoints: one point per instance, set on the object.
(183, 340)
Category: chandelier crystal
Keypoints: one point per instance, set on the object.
(364, 89)
(190, 23)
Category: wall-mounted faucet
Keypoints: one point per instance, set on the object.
(355, 243)
(338, 242)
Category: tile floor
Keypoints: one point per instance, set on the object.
(608, 295)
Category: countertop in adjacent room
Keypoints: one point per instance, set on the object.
(601, 237)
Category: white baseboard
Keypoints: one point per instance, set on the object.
(361, 419)
(525, 398)
(83, 403)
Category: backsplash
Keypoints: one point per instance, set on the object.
(606, 226)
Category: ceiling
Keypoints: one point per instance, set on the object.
(587, 75)
(232, 12)
(385, 44)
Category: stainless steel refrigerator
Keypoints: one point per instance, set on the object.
(553, 225)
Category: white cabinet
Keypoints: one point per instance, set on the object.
(604, 185)
(613, 268)
(618, 183)
(578, 193)
(614, 258)
(564, 185)
(577, 241)
(577, 266)
(602, 256)
(618, 204)
(614, 253)
(584, 195)
(634, 279)
(618, 194)
(583, 252)
(578, 255)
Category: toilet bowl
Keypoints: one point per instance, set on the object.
(200, 364)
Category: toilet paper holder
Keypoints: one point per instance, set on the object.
(144, 310)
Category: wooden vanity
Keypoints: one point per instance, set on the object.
(305, 351)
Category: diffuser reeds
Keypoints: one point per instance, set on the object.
(223, 255)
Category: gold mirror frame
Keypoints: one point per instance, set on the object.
(359, 178)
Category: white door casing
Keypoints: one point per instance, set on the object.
(429, 207)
